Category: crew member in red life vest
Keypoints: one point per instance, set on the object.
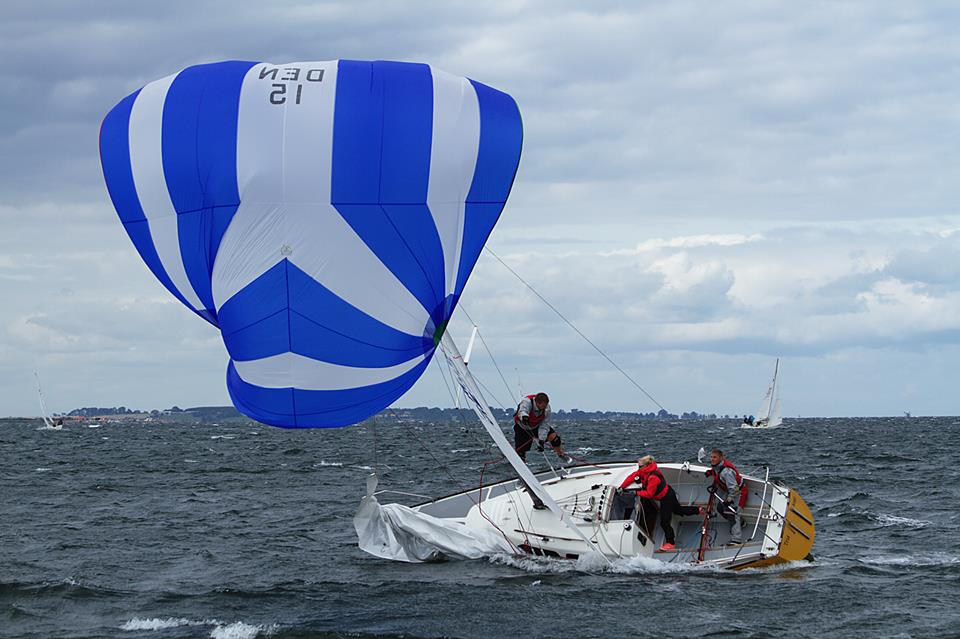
(531, 415)
(728, 486)
(654, 486)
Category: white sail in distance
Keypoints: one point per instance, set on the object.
(49, 423)
(769, 414)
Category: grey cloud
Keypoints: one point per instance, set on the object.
(937, 266)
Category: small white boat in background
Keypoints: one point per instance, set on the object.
(48, 422)
(769, 415)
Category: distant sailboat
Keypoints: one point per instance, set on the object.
(48, 423)
(769, 415)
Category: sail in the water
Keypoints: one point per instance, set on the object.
(325, 216)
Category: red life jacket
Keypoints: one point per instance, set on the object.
(535, 420)
(719, 484)
(664, 487)
(643, 476)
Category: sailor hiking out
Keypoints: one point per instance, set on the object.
(728, 486)
(531, 415)
(654, 486)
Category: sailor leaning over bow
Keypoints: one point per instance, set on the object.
(529, 419)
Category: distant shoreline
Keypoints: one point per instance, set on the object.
(420, 414)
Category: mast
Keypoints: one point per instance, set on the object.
(466, 358)
(775, 418)
(773, 389)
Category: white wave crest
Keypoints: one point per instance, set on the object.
(893, 520)
(776, 568)
(240, 630)
(221, 630)
(594, 563)
(930, 559)
(646, 565)
(536, 565)
(158, 624)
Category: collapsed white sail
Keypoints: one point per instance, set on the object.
(401, 533)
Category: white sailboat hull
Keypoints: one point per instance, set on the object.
(500, 518)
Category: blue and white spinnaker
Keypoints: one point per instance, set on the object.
(324, 215)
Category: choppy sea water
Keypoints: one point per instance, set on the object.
(166, 530)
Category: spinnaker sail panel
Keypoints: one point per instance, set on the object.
(324, 215)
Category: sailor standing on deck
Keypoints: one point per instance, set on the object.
(528, 421)
(733, 496)
(654, 486)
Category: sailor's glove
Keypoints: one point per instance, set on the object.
(711, 489)
(525, 420)
(539, 447)
(708, 472)
(619, 490)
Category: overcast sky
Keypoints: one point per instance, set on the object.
(704, 187)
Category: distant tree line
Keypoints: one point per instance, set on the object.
(424, 413)
(421, 413)
(98, 411)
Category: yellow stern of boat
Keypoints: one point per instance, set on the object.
(798, 534)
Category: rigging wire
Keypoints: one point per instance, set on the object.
(492, 359)
(376, 457)
(463, 422)
(483, 387)
(571, 325)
